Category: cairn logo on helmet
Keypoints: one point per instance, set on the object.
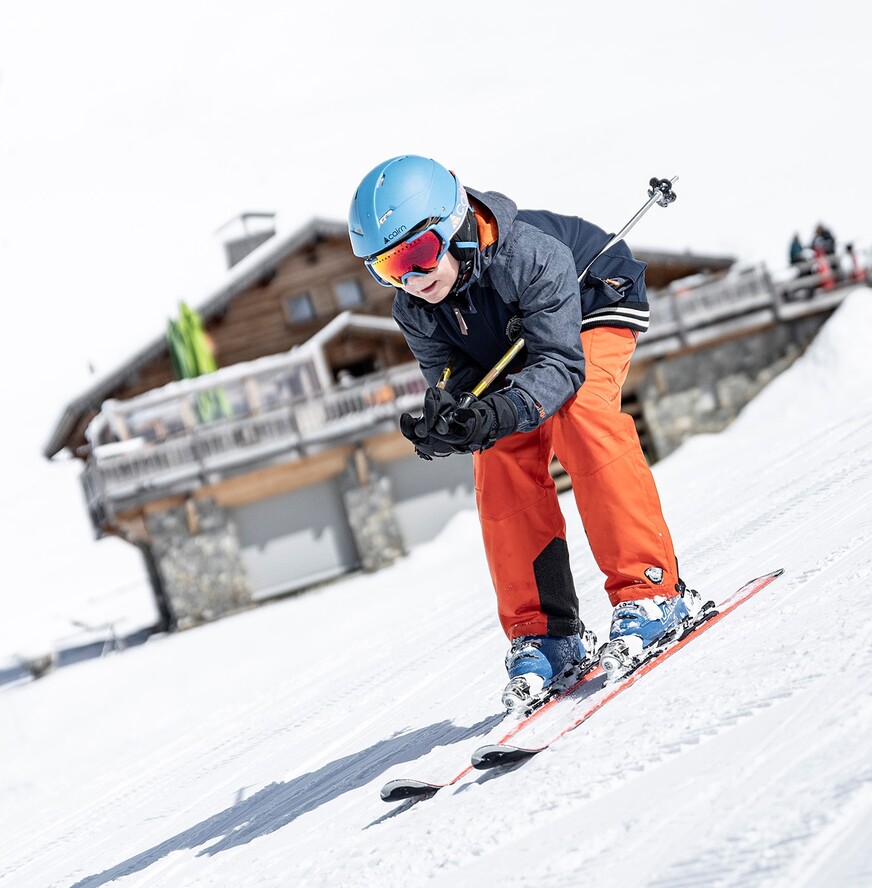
(395, 233)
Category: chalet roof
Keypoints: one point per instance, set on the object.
(248, 273)
(671, 258)
(250, 270)
(243, 275)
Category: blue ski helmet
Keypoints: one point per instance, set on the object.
(403, 196)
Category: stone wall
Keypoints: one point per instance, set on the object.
(703, 390)
(196, 554)
(369, 506)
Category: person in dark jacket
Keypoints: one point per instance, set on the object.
(472, 273)
(823, 241)
(797, 251)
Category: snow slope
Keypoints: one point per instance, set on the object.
(250, 752)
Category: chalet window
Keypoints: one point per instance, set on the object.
(349, 293)
(299, 308)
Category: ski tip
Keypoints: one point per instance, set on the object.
(399, 790)
(493, 756)
(767, 578)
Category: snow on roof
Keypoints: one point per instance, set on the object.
(238, 279)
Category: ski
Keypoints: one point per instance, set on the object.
(502, 753)
(591, 690)
(403, 788)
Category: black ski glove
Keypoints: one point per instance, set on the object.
(480, 424)
(438, 406)
(446, 428)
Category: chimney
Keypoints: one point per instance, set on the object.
(244, 233)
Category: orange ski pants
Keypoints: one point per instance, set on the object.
(523, 528)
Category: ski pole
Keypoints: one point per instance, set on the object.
(659, 192)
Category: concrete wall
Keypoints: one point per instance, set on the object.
(295, 539)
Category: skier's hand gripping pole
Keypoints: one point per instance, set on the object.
(659, 192)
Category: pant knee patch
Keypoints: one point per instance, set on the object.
(556, 588)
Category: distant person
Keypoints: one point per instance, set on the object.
(824, 245)
(800, 260)
(823, 241)
(797, 250)
(470, 271)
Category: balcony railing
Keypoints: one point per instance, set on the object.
(700, 309)
(188, 434)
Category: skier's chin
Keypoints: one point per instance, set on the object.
(434, 294)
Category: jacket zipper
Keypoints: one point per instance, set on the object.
(460, 322)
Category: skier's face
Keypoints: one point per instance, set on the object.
(434, 287)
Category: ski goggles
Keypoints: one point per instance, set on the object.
(418, 255)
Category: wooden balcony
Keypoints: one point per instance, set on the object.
(193, 433)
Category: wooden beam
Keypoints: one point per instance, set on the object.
(248, 488)
(274, 480)
(270, 481)
(388, 447)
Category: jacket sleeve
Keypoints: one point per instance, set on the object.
(537, 272)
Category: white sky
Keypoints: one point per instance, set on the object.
(128, 135)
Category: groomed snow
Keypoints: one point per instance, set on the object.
(250, 752)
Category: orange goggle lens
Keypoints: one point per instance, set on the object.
(420, 255)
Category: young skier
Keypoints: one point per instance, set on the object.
(472, 273)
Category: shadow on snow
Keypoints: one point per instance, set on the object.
(279, 804)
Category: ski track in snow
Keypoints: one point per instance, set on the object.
(251, 752)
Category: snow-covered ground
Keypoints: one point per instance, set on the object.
(251, 751)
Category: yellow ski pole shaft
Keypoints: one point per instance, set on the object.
(446, 373)
(493, 373)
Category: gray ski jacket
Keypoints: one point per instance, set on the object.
(525, 282)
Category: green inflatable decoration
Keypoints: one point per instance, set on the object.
(191, 356)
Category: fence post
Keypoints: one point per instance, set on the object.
(774, 294)
(676, 312)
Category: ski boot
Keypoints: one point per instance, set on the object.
(640, 627)
(540, 666)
